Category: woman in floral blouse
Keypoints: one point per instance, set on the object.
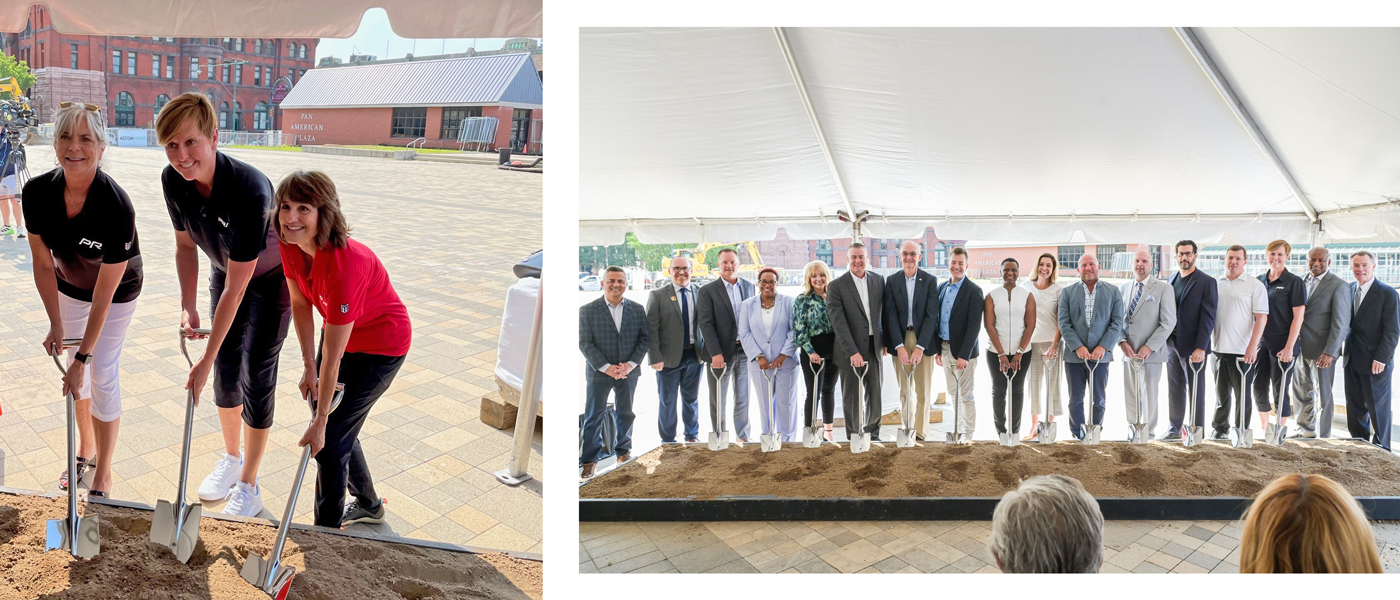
(815, 339)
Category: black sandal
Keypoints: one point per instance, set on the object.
(82, 470)
(96, 494)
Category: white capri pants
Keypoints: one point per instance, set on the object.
(102, 382)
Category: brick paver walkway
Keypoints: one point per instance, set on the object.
(448, 235)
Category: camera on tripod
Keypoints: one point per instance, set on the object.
(17, 117)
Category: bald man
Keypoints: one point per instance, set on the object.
(1149, 319)
(1091, 323)
(911, 327)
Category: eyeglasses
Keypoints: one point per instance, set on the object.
(68, 103)
(685, 269)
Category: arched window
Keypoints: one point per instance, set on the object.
(291, 50)
(223, 115)
(260, 116)
(160, 102)
(237, 116)
(228, 44)
(268, 48)
(302, 53)
(126, 110)
(257, 46)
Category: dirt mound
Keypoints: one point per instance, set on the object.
(328, 566)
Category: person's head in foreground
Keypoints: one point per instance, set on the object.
(1049, 524)
(1307, 524)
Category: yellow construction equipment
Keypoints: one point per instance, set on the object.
(700, 270)
(9, 84)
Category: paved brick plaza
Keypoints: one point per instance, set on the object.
(448, 235)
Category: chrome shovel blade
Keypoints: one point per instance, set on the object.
(1092, 433)
(56, 538)
(1275, 435)
(89, 541)
(275, 579)
(904, 438)
(772, 442)
(1045, 432)
(811, 437)
(1008, 439)
(1137, 433)
(1241, 438)
(719, 440)
(860, 443)
(1191, 436)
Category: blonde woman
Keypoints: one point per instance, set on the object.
(87, 268)
(1307, 524)
(1044, 369)
(815, 340)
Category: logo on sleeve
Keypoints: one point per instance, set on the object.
(221, 221)
(344, 308)
(128, 245)
(91, 244)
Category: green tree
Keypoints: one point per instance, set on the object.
(18, 69)
(652, 255)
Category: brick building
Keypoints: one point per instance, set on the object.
(790, 254)
(137, 75)
(1115, 260)
(396, 103)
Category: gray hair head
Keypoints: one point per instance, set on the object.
(1049, 524)
(66, 121)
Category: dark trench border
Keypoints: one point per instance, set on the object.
(770, 508)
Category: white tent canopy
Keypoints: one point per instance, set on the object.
(1030, 134)
(286, 18)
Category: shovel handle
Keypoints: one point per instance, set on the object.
(182, 334)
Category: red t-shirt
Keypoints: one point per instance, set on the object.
(350, 285)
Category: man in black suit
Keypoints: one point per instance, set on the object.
(1370, 352)
(960, 304)
(671, 323)
(911, 327)
(1189, 343)
(612, 334)
(719, 325)
(854, 301)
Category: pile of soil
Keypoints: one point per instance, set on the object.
(329, 567)
(986, 469)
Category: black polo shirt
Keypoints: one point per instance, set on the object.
(103, 232)
(1285, 293)
(235, 223)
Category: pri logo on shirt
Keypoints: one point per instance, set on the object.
(344, 308)
(91, 244)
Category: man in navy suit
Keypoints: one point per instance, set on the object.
(1196, 296)
(612, 334)
(911, 326)
(1370, 352)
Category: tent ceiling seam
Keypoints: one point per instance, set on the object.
(801, 86)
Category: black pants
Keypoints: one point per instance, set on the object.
(1227, 386)
(1270, 378)
(245, 369)
(599, 386)
(1178, 376)
(823, 345)
(1368, 403)
(850, 395)
(341, 463)
(1018, 392)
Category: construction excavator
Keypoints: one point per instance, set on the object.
(701, 272)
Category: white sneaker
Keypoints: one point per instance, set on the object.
(21, 232)
(218, 484)
(245, 501)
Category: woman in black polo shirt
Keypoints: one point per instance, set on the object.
(1287, 300)
(223, 206)
(87, 267)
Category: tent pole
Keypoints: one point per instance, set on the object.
(816, 122)
(1188, 37)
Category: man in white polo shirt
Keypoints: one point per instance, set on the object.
(1240, 316)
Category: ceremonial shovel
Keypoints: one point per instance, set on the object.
(772, 441)
(1241, 436)
(1137, 431)
(1191, 433)
(1045, 430)
(1009, 437)
(954, 437)
(1276, 432)
(719, 424)
(812, 434)
(1091, 429)
(269, 574)
(860, 440)
(176, 525)
(80, 536)
(904, 438)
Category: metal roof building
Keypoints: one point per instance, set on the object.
(493, 101)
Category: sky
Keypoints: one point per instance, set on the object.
(374, 34)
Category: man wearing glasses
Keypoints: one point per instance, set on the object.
(671, 322)
(1196, 297)
(911, 326)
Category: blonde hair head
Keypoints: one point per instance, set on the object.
(186, 106)
(66, 121)
(813, 267)
(1307, 524)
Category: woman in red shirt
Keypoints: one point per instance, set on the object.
(364, 338)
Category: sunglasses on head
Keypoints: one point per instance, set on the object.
(91, 107)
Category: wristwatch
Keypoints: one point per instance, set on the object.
(82, 358)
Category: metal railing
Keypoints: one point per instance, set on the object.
(271, 137)
(420, 141)
(536, 144)
(477, 132)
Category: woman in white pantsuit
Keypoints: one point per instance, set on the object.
(765, 329)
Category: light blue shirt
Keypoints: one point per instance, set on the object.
(945, 306)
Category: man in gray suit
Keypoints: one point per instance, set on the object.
(1151, 318)
(1326, 322)
(719, 324)
(855, 301)
(673, 334)
(1091, 323)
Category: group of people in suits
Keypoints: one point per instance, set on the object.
(734, 330)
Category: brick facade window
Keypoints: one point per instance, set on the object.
(73, 56)
(210, 74)
(223, 115)
(257, 46)
(130, 63)
(126, 110)
(257, 75)
(1069, 256)
(194, 68)
(452, 120)
(238, 74)
(238, 44)
(160, 102)
(117, 62)
(409, 122)
(155, 65)
(260, 117)
(170, 67)
(302, 53)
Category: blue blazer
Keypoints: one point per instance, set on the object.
(781, 339)
(926, 315)
(1195, 313)
(1108, 320)
(600, 341)
(1375, 328)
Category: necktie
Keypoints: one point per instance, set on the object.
(1136, 295)
(1356, 291)
(1312, 281)
(685, 318)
